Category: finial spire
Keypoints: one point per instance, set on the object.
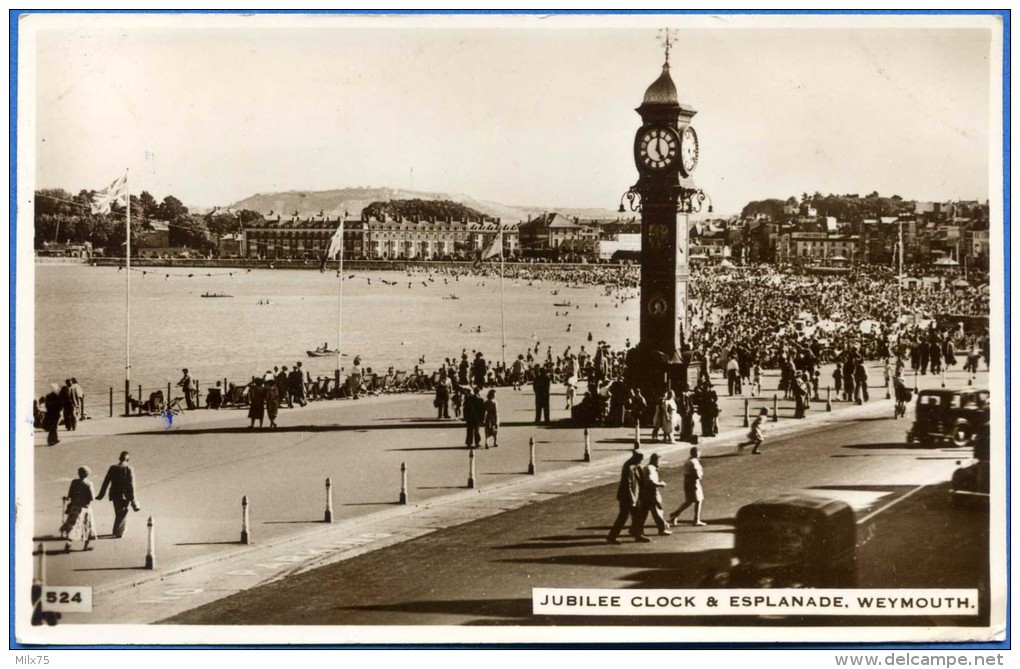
(667, 40)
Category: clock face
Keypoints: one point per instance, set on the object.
(657, 148)
(657, 306)
(688, 150)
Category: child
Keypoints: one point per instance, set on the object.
(755, 435)
(756, 380)
(458, 401)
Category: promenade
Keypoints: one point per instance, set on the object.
(192, 476)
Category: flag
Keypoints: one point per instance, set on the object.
(336, 243)
(493, 249)
(103, 200)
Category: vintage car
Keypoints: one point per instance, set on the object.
(970, 484)
(792, 541)
(948, 415)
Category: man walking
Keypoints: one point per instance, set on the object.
(541, 386)
(189, 393)
(628, 494)
(297, 385)
(474, 414)
(282, 382)
(120, 481)
(651, 496)
(54, 407)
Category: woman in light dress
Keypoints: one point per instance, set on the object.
(78, 525)
(666, 417)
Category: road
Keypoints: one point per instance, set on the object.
(482, 572)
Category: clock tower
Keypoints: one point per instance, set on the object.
(666, 155)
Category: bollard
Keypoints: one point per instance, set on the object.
(888, 392)
(245, 534)
(775, 408)
(168, 396)
(531, 455)
(471, 468)
(328, 518)
(150, 551)
(828, 398)
(637, 433)
(139, 392)
(587, 442)
(747, 413)
(40, 568)
(111, 401)
(915, 380)
(970, 379)
(943, 377)
(403, 483)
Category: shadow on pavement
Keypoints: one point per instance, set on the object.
(211, 543)
(516, 609)
(902, 445)
(430, 448)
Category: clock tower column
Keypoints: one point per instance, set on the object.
(666, 154)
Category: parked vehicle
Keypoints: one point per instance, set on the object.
(948, 415)
(793, 541)
(970, 484)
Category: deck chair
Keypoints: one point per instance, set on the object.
(399, 383)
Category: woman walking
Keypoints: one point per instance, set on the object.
(272, 401)
(257, 400)
(78, 524)
(693, 492)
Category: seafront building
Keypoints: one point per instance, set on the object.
(387, 238)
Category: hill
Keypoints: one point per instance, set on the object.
(353, 200)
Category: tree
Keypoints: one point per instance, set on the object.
(170, 209)
(149, 207)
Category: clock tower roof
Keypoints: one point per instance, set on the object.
(662, 91)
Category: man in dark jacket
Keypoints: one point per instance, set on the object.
(628, 494)
(296, 385)
(54, 407)
(474, 414)
(479, 370)
(541, 388)
(282, 381)
(120, 481)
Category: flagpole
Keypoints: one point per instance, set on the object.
(502, 298)
(127, 333)
(340, 303)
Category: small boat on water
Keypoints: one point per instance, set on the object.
(451, 297)
(568, 303)
(320, 353)
(216, 295)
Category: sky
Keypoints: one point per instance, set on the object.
(529, 112)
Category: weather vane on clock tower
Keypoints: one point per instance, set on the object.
(667, 40)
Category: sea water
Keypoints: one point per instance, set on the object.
(275, 316)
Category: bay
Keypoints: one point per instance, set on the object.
(80, 322)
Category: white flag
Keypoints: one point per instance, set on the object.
(336, 242)
(103, 200)
(494, 249)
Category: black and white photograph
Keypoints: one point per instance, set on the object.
(383, 329)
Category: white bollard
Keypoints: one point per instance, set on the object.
(245, 519)
(329, 502)
(587, 445)
(471, 468)
(40, 566)
(150, 551)
(403, 483)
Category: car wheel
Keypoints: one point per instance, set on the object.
(962, 434)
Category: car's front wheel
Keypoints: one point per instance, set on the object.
(962, 434)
